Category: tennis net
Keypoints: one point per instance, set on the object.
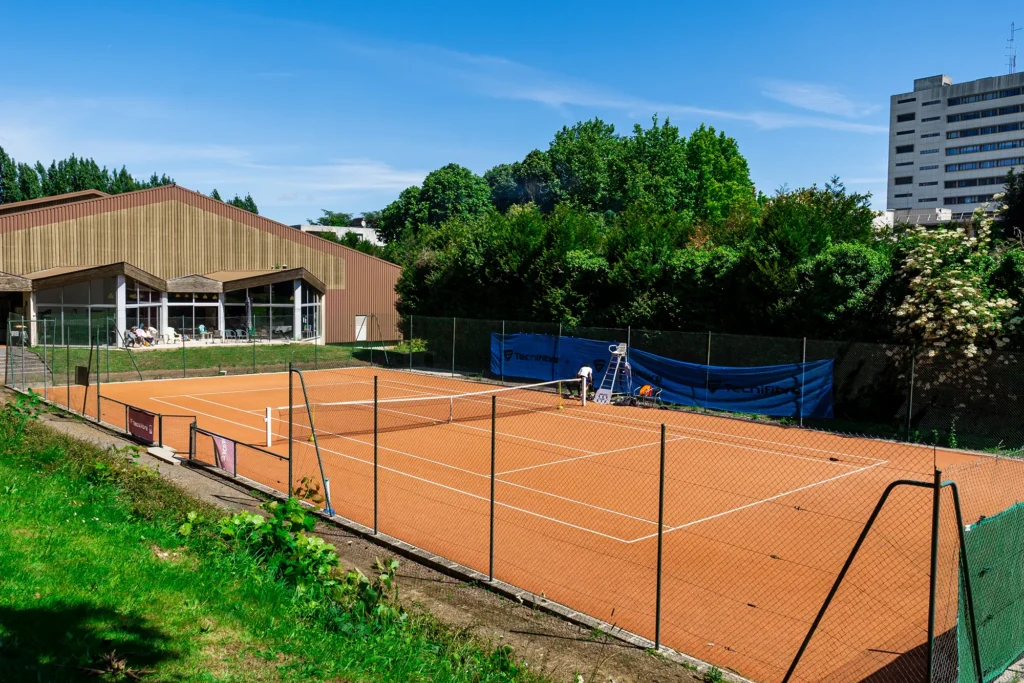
(351, 418)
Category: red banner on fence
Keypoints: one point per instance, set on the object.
(225, 453)
(142, 424)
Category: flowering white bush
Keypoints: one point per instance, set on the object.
(949, 303)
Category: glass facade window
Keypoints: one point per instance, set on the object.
(194, 314)
(310, 313)
(80, 314)
(273, 312)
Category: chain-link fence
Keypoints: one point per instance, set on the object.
(947, 397)
(779, 553)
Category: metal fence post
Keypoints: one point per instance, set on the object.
(494, 431)
(803, 381)
(410, 342)
(184, 366)
(22, 335)
(707, 374)
(45, 368)
(316, 355)
(254, 355)
(501, 359)
(99, 392)
(67, 363)
(933, 578)
(160, 426)
(453, 346)
(910, 406)
(661, 527)
(375, 455)
(291, 423)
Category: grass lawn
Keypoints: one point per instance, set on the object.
(227, 356)
(97, 575)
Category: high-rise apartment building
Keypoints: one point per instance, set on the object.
(951, 145)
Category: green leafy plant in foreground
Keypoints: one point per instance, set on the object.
(115, 570)
(282, 541)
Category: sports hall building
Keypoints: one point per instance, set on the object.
(174, 259)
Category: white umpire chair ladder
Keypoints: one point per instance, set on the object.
(611, 373)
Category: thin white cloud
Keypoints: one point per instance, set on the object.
(502, 78)
(815, 97)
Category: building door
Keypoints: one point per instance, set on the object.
(10, 302)
(361, 328)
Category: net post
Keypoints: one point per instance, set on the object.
(375, 447)
(494, 432)
(583, 390)
(291, 423)
(933, 576)
(453, 346)
(661, 527)
(803, 381)
(268, 420)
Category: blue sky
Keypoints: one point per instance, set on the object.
(340, 105)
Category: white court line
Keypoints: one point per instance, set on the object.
(530, 512)
(757, 502)
(445, 486)
(460, 469)
(573, 416)
(592, 454)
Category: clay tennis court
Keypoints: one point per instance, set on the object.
(758, 519)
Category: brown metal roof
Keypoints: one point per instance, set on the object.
(32, 217)
(232, 275)
(56, 200)
(53, 272)
(69, 275)
(14, 283)
(240, 279)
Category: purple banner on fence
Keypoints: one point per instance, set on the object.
(225, 453)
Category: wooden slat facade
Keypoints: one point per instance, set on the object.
(172, 232)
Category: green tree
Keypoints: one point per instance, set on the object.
(841, 293)
(718, 179)
(580, 158)
(29, 185)
(650, 169)
(530, 181)
(1010, 216)
(338, 219)
(246, 203)
(10, 189)
(216, 195)
(454, 191)
(402, 218)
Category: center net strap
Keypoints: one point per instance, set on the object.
(351, 418)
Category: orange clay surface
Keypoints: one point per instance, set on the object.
(758, 519)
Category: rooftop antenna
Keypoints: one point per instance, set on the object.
(1011, 50)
